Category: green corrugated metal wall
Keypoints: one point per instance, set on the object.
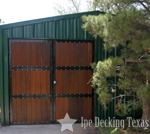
(60, 27)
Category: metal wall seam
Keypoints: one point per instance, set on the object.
(75, 28)
(54, 29)
(33, 30)
(43, 30)
(22, 28)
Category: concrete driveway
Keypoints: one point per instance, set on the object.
(46, 129)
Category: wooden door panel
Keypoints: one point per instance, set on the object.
(31, 110)
(31, 82)
(74, 54)
(30, 54)
(75, 107)
(73, 76)
(73, 82)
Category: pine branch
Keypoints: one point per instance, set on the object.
(124, 96)
(144, 6)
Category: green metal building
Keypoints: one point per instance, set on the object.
(65, 27)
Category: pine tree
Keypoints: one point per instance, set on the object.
(125, 24)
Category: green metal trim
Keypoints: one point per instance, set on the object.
(58, 39)
(1, 81)
(6, 83)
(62, 17)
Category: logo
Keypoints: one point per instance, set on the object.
(67, 123)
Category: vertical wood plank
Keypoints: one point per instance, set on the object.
(43, 110)
(18, 117)
(29, 110)
(71, 54)
(47, 54)
(79, 108)
(57, 53)
(13, 49)
(47, 109)
(37, 82)
(71, 107)
(76, 53)
(66, 107)
(38, 54)
(28, 54)
(24, 110)
(39, 109)
(75, 108)
(43, 82)
(89, 85)
(47, 73)
(33, 82)
(34, 110)
(57, 109)
(80, 81)
(76, 82)
(14, 82)
(14, 105)
(65, 54)
(18, 84)
(59, 81)
(85, 108)
(33, 55)
(89, 53)
(90, 108)
(84, 82)
(72, 82)
(67, 82)
(28, 82)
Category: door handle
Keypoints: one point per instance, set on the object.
(54, 82)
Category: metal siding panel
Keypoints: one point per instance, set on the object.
(67, 29)
(63, 29)
(75, 28)
(28, 31)
(38, 31)
(6, 35)
(46, 29)
(80, 31)
(59, 29)
(71, 28)
(17, 32)
(49, 30)
(54, 29)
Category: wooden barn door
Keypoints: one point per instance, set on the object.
(49, 79)
(73, 91)
(30, 93)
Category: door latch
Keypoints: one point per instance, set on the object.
(54, 82)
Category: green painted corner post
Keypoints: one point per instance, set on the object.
(1, 82)
(6, 84)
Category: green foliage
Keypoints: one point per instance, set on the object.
(110, 130)
(1, 21)
(126, 23)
